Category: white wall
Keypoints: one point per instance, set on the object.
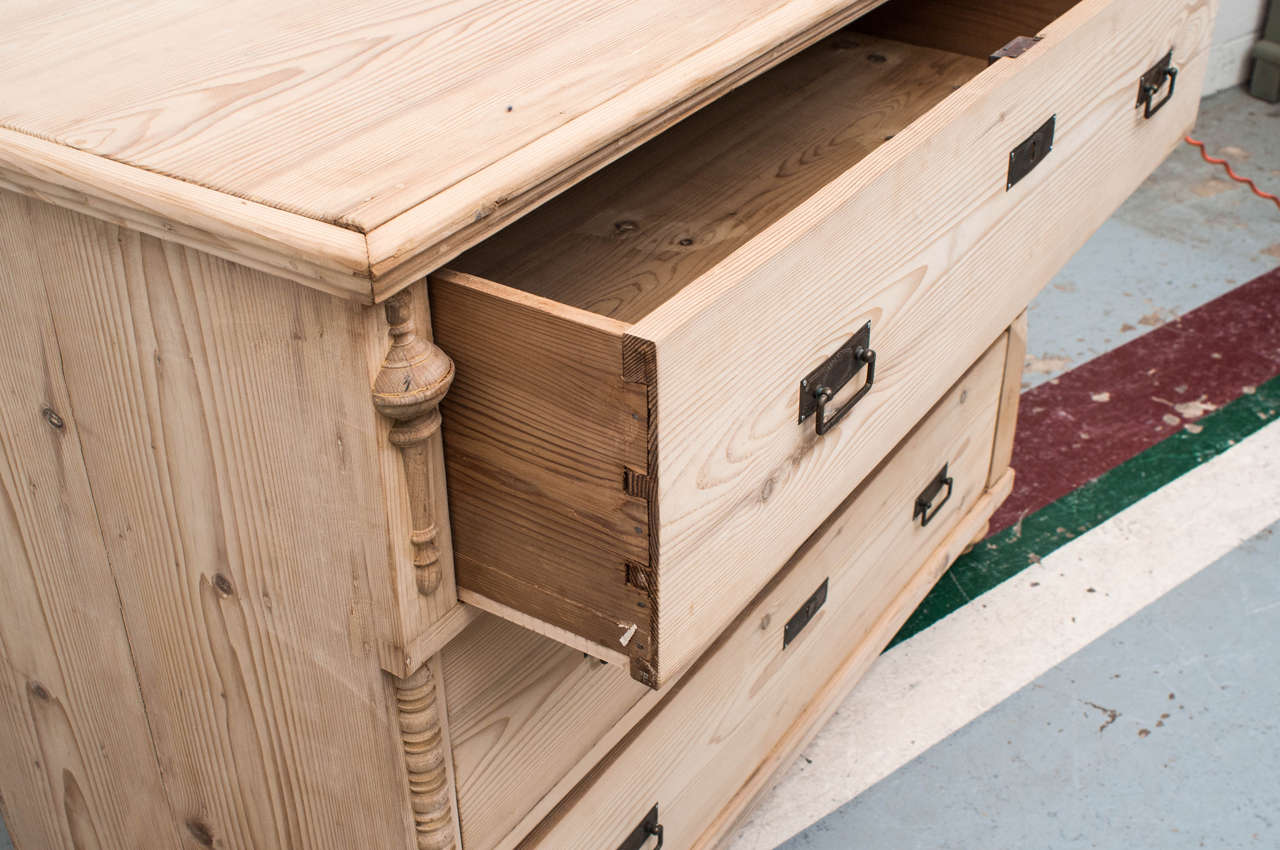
(1239, 25)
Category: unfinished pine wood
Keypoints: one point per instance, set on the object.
(1010, 393)
(230, 443)
(919, 237)
(540, 700)
(553, 540)
(413, 378)
(975, 28)
(322, 256)
(944, 260)
(425, 119)
(829, 697)
(422, 613)
(627, 239)
(707, 737)
(426, 761)
(524, 711)
(77, 768)
(720, 179)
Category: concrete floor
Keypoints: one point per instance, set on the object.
(1160, 735)
(1187, 236)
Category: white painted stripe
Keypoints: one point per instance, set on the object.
(942, 678)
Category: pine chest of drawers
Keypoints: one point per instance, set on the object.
(507, 424)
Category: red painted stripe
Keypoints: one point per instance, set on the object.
(1100, 414)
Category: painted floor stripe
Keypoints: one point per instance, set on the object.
(942, 678)
(1124, 401)
(999, 558)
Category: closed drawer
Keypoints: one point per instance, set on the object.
(626, 458)
(710, 745)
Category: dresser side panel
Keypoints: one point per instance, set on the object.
(231, 448)
(76, 763)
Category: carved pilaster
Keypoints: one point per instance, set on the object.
(414, 377)
(424, 757)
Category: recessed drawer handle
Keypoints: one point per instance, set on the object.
(1149, 85)
(821, 385)
(925, 508)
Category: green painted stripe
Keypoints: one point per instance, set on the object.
(1008, 553)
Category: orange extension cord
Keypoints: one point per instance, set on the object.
(1213, 160)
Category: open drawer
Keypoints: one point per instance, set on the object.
(663, 375)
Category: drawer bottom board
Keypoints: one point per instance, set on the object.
(715, 741)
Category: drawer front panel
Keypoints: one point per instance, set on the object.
(927, 243)
(707, 739)
(627, 483)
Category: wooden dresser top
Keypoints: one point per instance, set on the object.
(370, 140)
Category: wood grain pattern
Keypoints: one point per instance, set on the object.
(943, 260)
(434, 231)
(316, 254)
(77, 768)
(539, 429)
(231, 447)
(524, 711)
(414, 625)
(832, 694)
(425, 760)
(414, 376)
(709, 735)
(627, 239)
(975, 28)
(1010, 393)
(954, 263)
(427, 120)
(542, 700)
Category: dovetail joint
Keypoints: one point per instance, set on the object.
(636, 483)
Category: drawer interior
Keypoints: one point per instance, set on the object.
(626, 240)
(628, 454)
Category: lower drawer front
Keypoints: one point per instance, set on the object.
(709, 746)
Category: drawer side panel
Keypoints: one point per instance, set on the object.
(76, 760)
(541, 430)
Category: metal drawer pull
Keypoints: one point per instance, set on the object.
(1149, 85)
(647, 828)
(821, 385)
(801, 618)
(925, 508)
(1026, 156)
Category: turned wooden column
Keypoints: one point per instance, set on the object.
(424, 759)
(414, 377)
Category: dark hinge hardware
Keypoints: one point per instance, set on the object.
(801, 618)
(1151, 83)
(1014, 49)
(926, 510)
(648, 828)
(1032, 152)
(820, 386)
